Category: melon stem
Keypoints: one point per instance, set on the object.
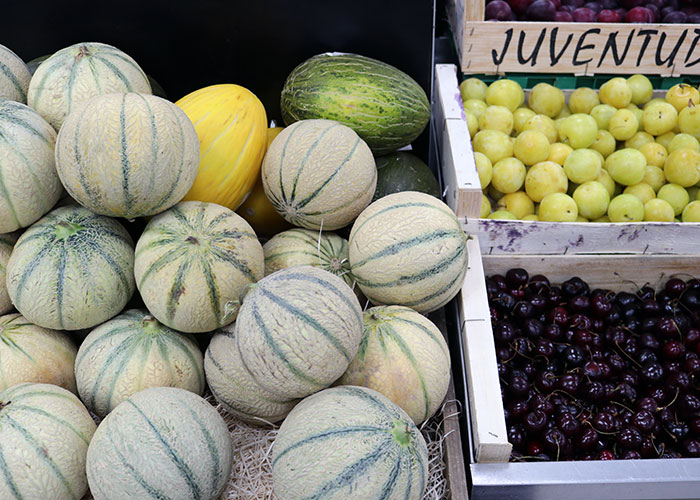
(149, 324)
(3, 404)
(401, 432)
(65, 229)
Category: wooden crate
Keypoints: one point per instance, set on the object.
(614, 272)
(579, 48)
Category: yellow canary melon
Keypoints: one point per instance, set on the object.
(231, 124)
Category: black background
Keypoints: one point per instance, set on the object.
(189, 45)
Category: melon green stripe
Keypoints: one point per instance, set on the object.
(23, 158)
(119, 236)
(362, 350)
(126, 164)
(115, 267)
(153, 492)
(307, 155)
(82, 177)
(388, 487)
(13, 79)
(13, 345)
(42, 84)
(300, 313)
(157, 243)
(100, 340)
(178, 286)
(398, 206)
(420, 276)
(71, 83)
(365, 396)
(216, 220)
(284, 152)
(12, 118)
(41, 453)
(330, 434)
(232, 234)
(213, 287)
(419, 460)
(370, 182)
(6, 196)
(409, 243)
(185, 471)
(270, 341)
(182, 219)
(351, 472)
(8, 477)
(199, 217)
(174, 340)
(392, 334)
(29, 270)
(114, 69)
(59, 283)
(328, 286)
(122, 350)
(289, 252)
(409, 482)
(226, 256)
(446, 288)
(162, 261)
(176, 181)
(330, 178)
(425, 330)
(117, 54)
(50, 416)
(24, 395)
(145, 343)
(154, 141)
(95, 76)
(216, 470)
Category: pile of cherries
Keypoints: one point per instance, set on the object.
(594, 11)
(597, 375)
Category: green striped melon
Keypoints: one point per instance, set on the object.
(161, 443)
(319, 174)
(404, 356)
(72, 269)
(235, 388)
(132, 352)
(44, 436)
(30, 353)
(349, 442)
(384, 105)
(76, 73)
(127, 155)
(14, 76)
(192, 264)
(297, 331)
(408, 249)
(7, 243)
(29, 184)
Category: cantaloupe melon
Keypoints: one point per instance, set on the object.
(29, 353)
(408, 249)
(44, 436)
(76, 73)
(235, 387)
(132, 352)
(29, 184)
(14, 76)
(349, 442)
(319, 174)
(192, 264)
(232, 127)
(297, 331)
(7, 243)
(404, 356)
(162, 442)
(127, 155)
(72, 269)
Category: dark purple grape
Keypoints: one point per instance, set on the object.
(574, 286)
(504, 353)
(503, 332)
(545, 382)
(679, 430)
(587, 439)
(616, 362)
(673, 349)
(552, 332)
(555, 441)
(594, 6)
(692, 337)
(660, 395)
(541, 10)
(592, 391)
(518, 409)
(535, 421)
(644, 421)
(554, 296)
(573, 356)
(691, 448)
(688, 404)
(675, 287)
(627, 393)
(604, 422)
(523, 310)
(542, 403)
(568, 424)
(652, 373)
(569, 383)
(516, 277)
(538, 283)
(498, 10)
(650, 307)
(649, 341)
(582, 338)
(579, 303)
(518, 386)
(629, 438)
(677, 381)
(558, 316)
(532, 328)
(516, 435)
(630, 455)
(646, 356)
(544, 347)
(504, 302)
(630, 377)
(600, 306)
(499, 280)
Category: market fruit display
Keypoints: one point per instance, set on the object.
(298, 330)
(162, 442)
(385, 106)
(404, 171)
(235, 387)
(193, 263)
(14, 76)
(133, 352)
(404, 356)
(408, 249)
(72, 269)
(593, 374)
(31, 353)
(76, 73)
(368, 448)
(7, 242)
(617, 138)
(319, 174)
(231, 124)
(127, 155)
(29, 184)
(44, 429)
